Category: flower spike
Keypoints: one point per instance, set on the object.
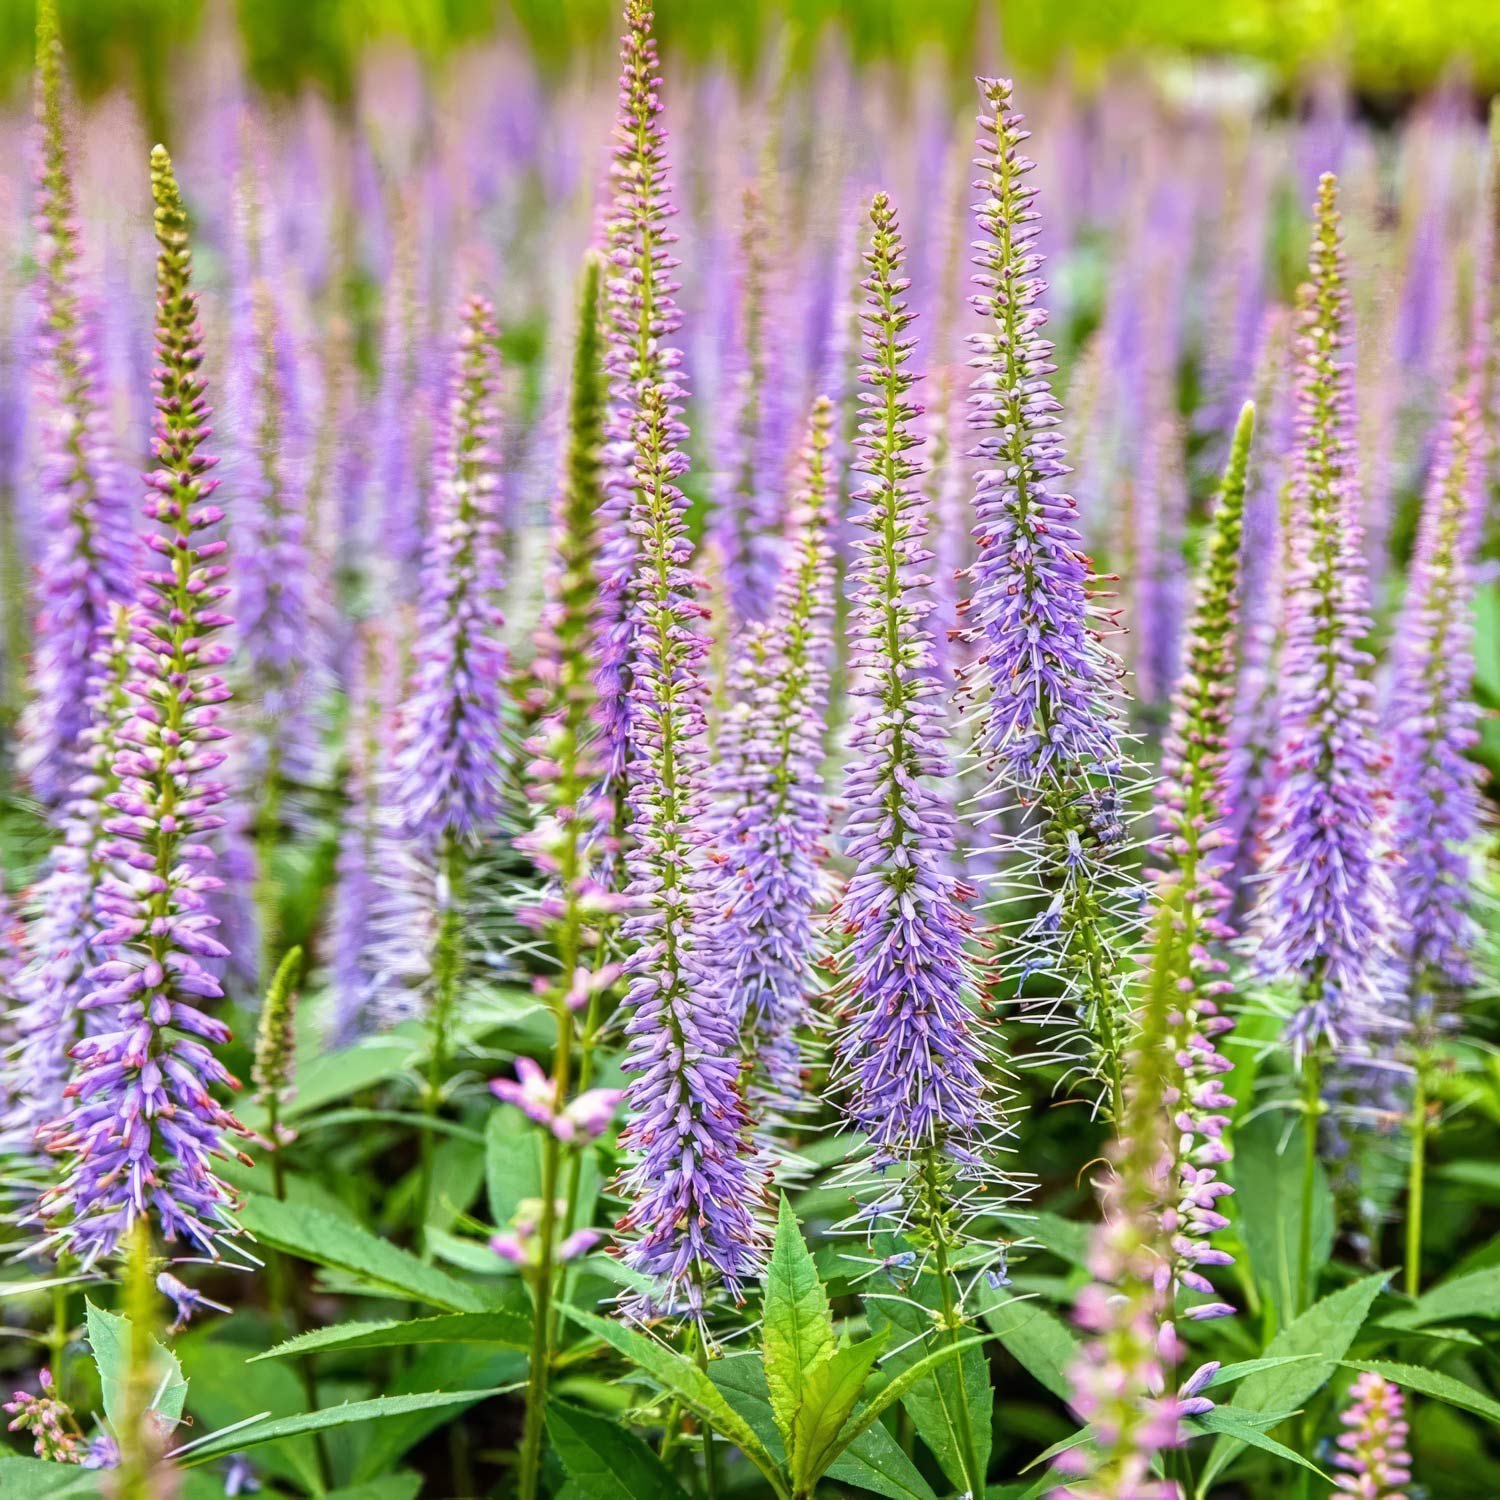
(144, 1131)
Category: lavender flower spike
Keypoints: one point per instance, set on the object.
(907, 1046)
(89, 553)
(447, 771)
(1045, 685)
(279, 651)
(695, 1190)
(70, 909)
(1122, 1379)
(1433, 723)
(143, 1131)
(641, 315)
(1372, 1457)
(1194, 897)
(1324, 905)
(774, 815)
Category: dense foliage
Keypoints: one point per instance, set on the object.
(826, 760)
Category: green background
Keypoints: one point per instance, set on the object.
(1389, 47)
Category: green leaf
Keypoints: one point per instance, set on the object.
(226, 1390)
(471, 1367)
(1039, 1340)
(798, 1328)
(686, 1381)
(1432, 1383)
(109, 1338)
(1324, 1331)
(830, 1392)
(609, 1462)
(1226, 1420)
(1267, 1209)
(512, 1162)
(344, 1245)
(939, 1404)
(324, 1076)
(405, 1486)
(1476, 1295)
(36, 1479)
(513, 1330)
(273, 1429)
(1065, 1239)
(1227, 1373)
(873, 1461)
(867, 1416)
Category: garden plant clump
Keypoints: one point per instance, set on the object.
(759, 777)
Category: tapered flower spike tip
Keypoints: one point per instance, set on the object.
(1044, 683)
(144, 1132)
(1325, 903)
(86, 554)
(274, 1041)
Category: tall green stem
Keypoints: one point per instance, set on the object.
(952, 1322)
(283, 1281)
(446, 964)
(543, 1331)
(710, 1477)
(1415, 1182)
(1312, 1106)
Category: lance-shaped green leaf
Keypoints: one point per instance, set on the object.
(1226, 1419)
(343, 1245)
(271, 1429)
(609, 1462)
(867, 1416)
(940, 1405)
(510, 1329)
(797, 1325)
(1475, 1295)
(874, 1461)
(686, 1381)
(1324, 1331)
(830, 1393)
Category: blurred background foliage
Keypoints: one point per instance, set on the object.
(1390, 49)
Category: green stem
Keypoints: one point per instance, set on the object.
(1415, 1182)
(445, 970)
(1312, 1105)
(710, 1477)
(952, 1325)
(671, 1430)
(284, 1284)
(543, 1326)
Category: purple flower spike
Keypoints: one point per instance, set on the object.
(1194, 899)
(1046, 685)
(72, 910)
(1433, 723)
(746, 526)
(88, 555)
(640, 316)
(279, 654)
(1372, 1459)
(1051, 682)
(1322, 917)
(141, 1136)
(695, 1189)
(907, 1047)
(773, 814)
(354, 935)
(448, 766)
